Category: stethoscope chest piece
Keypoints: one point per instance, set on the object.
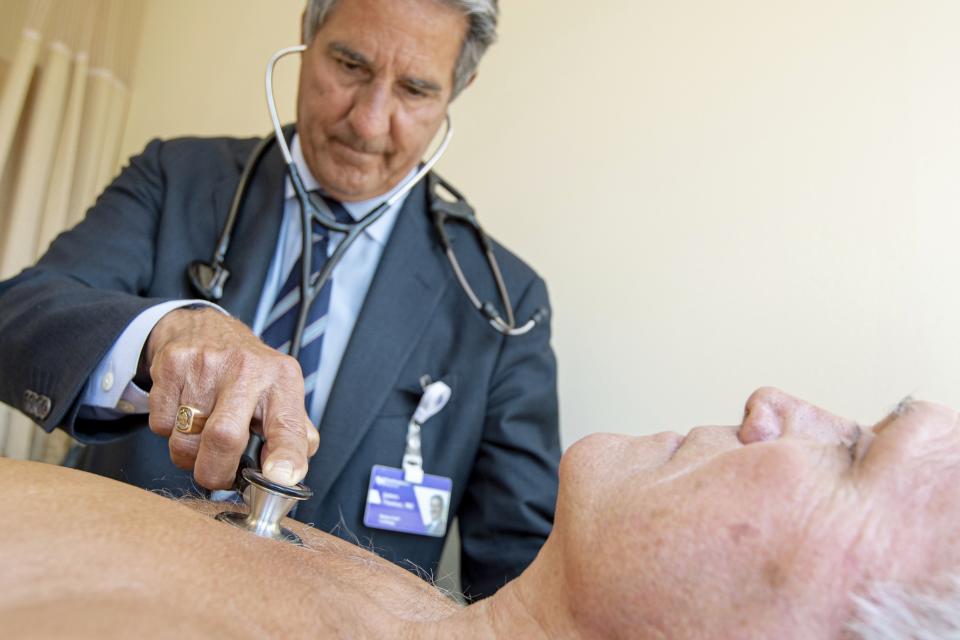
(269, 503)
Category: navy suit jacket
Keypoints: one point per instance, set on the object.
(497, 438)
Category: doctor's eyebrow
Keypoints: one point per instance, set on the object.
(351, 54)
(419, 84)
(424, 86)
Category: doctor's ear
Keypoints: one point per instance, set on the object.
(303, 27)
(469, 82)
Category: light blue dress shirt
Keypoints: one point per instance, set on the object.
(110, 391)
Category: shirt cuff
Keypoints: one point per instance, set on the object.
(110, 392)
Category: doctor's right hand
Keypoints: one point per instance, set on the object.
(203, 358)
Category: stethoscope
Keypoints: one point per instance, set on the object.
(209, 278)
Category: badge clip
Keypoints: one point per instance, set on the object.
(434, 399)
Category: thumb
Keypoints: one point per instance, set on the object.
(285, 450)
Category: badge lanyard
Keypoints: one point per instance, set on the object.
(434, 399)
(407, 500)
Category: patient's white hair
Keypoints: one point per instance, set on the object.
(889, 611)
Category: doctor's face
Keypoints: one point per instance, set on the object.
(761, 530)
(436, 507)
(374, 88)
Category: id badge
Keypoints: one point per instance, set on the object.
(397, 504)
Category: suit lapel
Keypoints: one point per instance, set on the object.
(404, 294)
(255, 234)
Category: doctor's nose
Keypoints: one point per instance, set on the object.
(771, 414)
(371, 114)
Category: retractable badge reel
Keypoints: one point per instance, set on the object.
(407, 500)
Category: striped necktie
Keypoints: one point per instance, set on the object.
(280, 324)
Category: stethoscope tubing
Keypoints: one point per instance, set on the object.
(311, 286)
(210, 278)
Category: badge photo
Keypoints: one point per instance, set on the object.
(396, 504)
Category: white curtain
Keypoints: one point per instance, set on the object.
(65, 69)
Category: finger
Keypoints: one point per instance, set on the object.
(163, 401)
(183, 449)
(286, 425)
(313, 443)
(288, 445)
(182, 375)
(313, 440)
(224, 438)
(184, 445)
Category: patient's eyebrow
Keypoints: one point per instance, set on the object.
(903, 406)
(899, 410)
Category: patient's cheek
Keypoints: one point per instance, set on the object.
(768, 473)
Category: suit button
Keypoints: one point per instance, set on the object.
(36, 405)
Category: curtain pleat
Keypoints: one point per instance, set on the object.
(55, 218)
(118, 102)
(19, 248)
(63, 104)
(20, 433)
(15, 90)
(90, 145)
(4, 427)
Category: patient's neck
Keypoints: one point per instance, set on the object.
(534, 606)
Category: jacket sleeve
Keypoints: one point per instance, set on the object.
(61, 316)
(507, 509)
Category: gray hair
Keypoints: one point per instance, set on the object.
(889, 611)
(481, 33)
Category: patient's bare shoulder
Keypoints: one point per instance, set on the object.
(99, 547)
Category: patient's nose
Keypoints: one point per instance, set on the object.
(771, 414)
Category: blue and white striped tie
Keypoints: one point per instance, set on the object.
(278, 332)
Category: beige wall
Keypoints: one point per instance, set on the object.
(720, 195)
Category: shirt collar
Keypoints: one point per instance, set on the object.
(379, 230)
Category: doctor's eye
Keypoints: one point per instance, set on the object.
(414, 91)
(348, 65)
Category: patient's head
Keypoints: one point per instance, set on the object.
(761, 530)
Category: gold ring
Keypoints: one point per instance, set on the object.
(189, 419)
